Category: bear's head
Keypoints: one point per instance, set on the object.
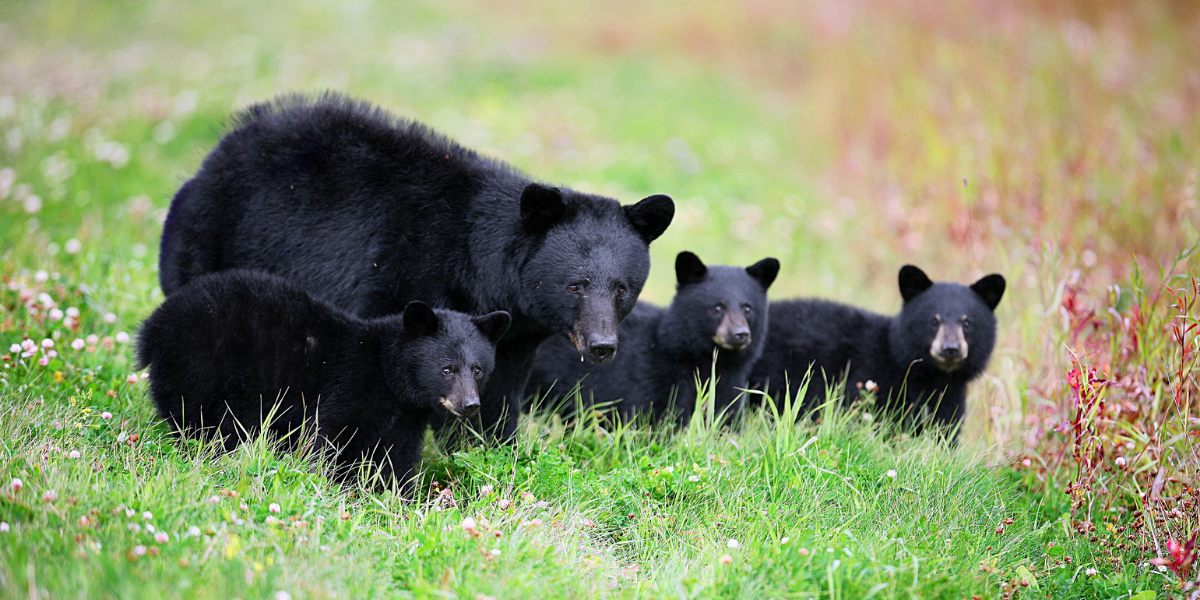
(442, 358)
(590, 261)
(718, 306)
(948, 326)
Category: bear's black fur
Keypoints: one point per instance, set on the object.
(664, 350)
(370, 211)
(228, 348)
(921, 358)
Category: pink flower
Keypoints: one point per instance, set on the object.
(162, 537)
(15, 348)
(110, 318)
(16, 485)
(725, 559)
(29, 345)
(73, 312)
(47, 343)
(132, 378)
(49, 496)
(56, 314)
(214, 500)
(44, 360)
(139, 550)
(77, 344)
(93, 339)
(106, 415)
(273, 507)
(122, 337)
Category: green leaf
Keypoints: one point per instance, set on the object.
(1056, 551)
(1027, 576)
(1146, 595)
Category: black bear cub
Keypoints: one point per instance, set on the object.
(921, 359)
(664, 350)
(228, 348)
(369, 211)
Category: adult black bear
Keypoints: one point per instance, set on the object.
(921, 359)
(229, 348)
(664, 350)
(369, 212)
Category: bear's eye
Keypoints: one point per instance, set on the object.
(478, 372)
(718, 308)
(746, 308)
(935, 322)
(966, 322)
(447, 370)
(574, 287)
(621, 291)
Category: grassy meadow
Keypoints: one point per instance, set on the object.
(1057, 143)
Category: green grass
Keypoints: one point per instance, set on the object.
(835, 139)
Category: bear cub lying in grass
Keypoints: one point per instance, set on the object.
(664, 350)
(921, 359)
(230, 349)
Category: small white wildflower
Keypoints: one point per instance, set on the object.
(891, 473)
(106, 415)
(41, 276)
(162, 537)
(868, 418)
(121, 337)
(72, 312)
(73, 246)
(145, 376)
(16, 484)
(495, 552)
(15, 348)
(110, 318)
(785, 540)
(49, 496)
(139, 550)
(73, 454)
(56, 314)
(3, 527)
(214, 500)
(273, 507)
(93, 339)
(134, 527)
(147, 515)
(732, 544)
(150, 527)
(193, 531)
(1090, 572)
(129, 512)
(29, 346)
(693, 478)
(132, 378)
(1120, 461)
(47, 343)
(282, 595)
(468, 524)
(77, 344)
(871, 386)
(485, 490)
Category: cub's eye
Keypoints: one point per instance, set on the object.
(934, 322)
(718, 308)
(621, 291)
(447, 370)
(746, 309)
(478, 372)
(574, 287)
(966, 322)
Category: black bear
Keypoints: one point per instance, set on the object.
(370, 211)
(229, 348)
(665, 350)
(920, 359)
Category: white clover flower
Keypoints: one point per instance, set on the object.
(1120, 461)
(193, 531)
(93, 339)
(725, 559)
(110, 318)
(73, 246)
(16, 484)
(732, 544)
(72, 312)
(282, 595)
(41, 276)
(3, 527)
(147, 515)
(106, 415)
(15, 348)
(49, 496)
(162, 537)
(273, 507)
(132, 378)
(495, 552)
(1090, 572)
(121, 337)
(73, 454)
(891, 473)
(139, 550)
(77, 344)
(129, 512)
(214, 500)
(29, 346)
(47, 343)
(785, 540)
(468, 524)
(56, 314)
(134, 527)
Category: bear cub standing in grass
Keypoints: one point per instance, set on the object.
(228, 348)
(369, 211)
(921, 359)
(664, 350)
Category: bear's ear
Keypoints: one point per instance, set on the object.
(991, 289)
(493, 325)
(689, 269)
(651, 216)
(419, 319)
(913, 281)
(764, 271)
(541, 208)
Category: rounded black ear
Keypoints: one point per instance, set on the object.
(689, 269)
(419, 319)
(493, 325)
(764, 271)
(651, 216)
(541, 207)
(991, 289)
(913, 281)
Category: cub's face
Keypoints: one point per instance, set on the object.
(448, 357)
(724, 306)
(590, 264)
(950, 326)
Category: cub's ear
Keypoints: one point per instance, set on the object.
(493, 325)
(764, 271)
(689, 269)
(990, 288)
(651, 216)
(541, 208)
(419, 319)
(913, 281)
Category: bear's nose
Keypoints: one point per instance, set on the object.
(470, 406)
(951, 351)
(741, 336)
(602, 350)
